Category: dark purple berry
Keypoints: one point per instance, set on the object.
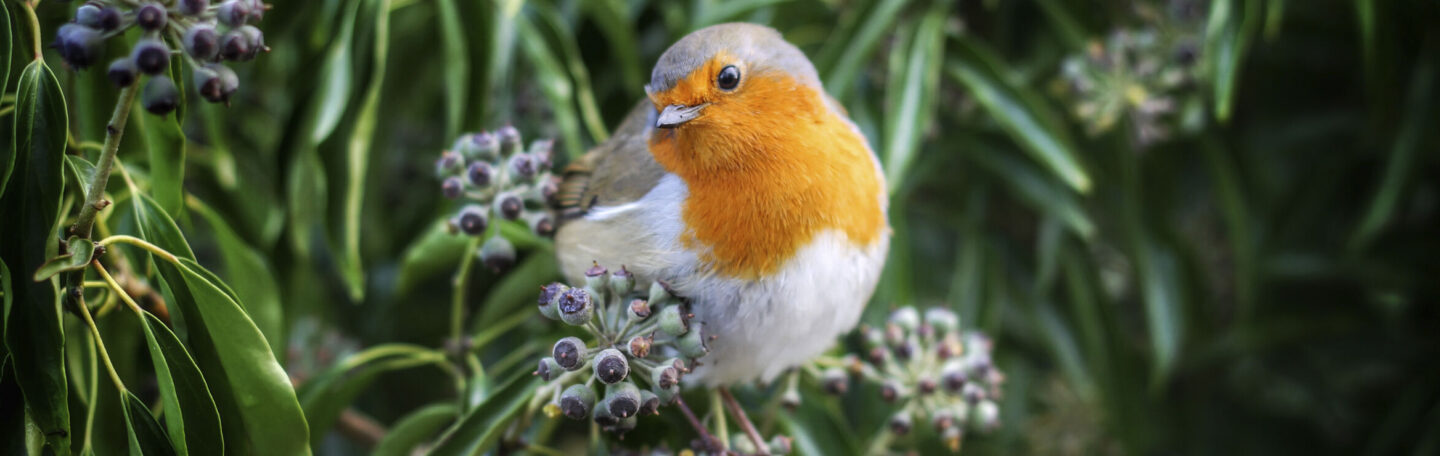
(88, 15)
(160, 96)
(233, 13)
(202, 42)
(235, 46)
(150, 16)
(193, 7)
(122, 72)
(472, 220)
(479, 174)
(151, 56)
(452, 188)
(79, 45)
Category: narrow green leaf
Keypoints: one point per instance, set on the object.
(1020, 118)
(612, 18)
(358, 156)
(77, 255)
(1159, 282)
(82, 171)
(911, 97)
(306, 192)
(334, 98)
(248, 270)
(1065, 23)
(435, 252)
(517, 289)
(1030, 184)
(190, 414)
(855, 52)
(325, 396)
(146, 438)
(7, 156)
(481, 427)
(258, 410)
(1403, 154)
(569, 52)
(34, 333)
(166, 142)
(554, 83)
(12, 419)
(457, 65)
(1227, 36)
(414, 429)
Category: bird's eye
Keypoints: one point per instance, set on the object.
(728, 78)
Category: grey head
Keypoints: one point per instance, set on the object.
(760, 47)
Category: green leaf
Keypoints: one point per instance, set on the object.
(554, 83)
(7, 156)
(82, 170)
(1403, 154)
(12, 419)
(481, 427)
(516, 291)
(711, 13)
(336, 79)
(190, 414)
(34, 333)
(1227, 36)
(435, 252)
(1030, 184)
(1021, 118)
(325, 396)
(258, 409)
(910, 93)
(457, 65)
(146, 438)
(248, 270)
(567, 50)
(77, 255)
(855, 52)
(358, 157)
(414, 429)
(611, 17)
(166, 143)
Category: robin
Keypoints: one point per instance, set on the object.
(747, 189)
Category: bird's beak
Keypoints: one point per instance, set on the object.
(674, 115)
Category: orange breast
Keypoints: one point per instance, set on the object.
(768, 170)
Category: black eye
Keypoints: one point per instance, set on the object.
(728, 78)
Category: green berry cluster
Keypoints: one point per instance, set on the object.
(640, 346)
(498, 179)
(931, 369)
(1144, 76)
(201, 33)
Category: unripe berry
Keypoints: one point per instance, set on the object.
(449, 164)
(834, 381)
(664, 376)
(577, 401)
(509, 139)
(549, 369)
(569, 353)
(479, 146)
(611, 366)
(667, 395)
(639, 346)
(638, 309)
(151, 56)
(953, 378)
(233, 13)
(901, 423)
(601, 414)
(659, 293)
(160, 96)
(257, 10)
(622, 425)
(508, 206)
(597, 277)
(972, 393)
(740, 443)
(781, 445)
(479, 174)
(649, 403)
(576, 306)
(540, 224)
(201, 42)
(622, 282)
(122, 72)
(694, 343)
(471, 220)
(79, 45)
(254, 40)
(543, 151)
(942, 319)
(235, 46)
(497, 253)
(987, 414)
(150, 16)
(623, 399)
(209, 85)
(545, 192)
(891, 391)
(549, 301)
(522, 167)
(452, 188)
(673, 321)
(193, 7)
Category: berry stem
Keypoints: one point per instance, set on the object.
(739, 413)
(95, 191)
(462, 281)
(100, 345)
(29, 7)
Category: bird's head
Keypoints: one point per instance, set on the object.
(723, 91)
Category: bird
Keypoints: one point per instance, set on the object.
(742, 185)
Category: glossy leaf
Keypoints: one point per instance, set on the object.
(1022, 119)
(414, 429)
(82, 171)
(146, 437)
(554, 83)
(457, 65)
(325, 396)
(482, 426)
(190, 415)
(258, 409)
(7, 155)
(166, 143)
(357, 156)
(251, 275)
(34, 333)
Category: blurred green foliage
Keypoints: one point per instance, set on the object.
(1190, 226)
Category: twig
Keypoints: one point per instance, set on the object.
(99, 343)
(95, 191)
(760, 446)
(710, 440)
(132, 240)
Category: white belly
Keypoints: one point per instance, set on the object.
(762, 327)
